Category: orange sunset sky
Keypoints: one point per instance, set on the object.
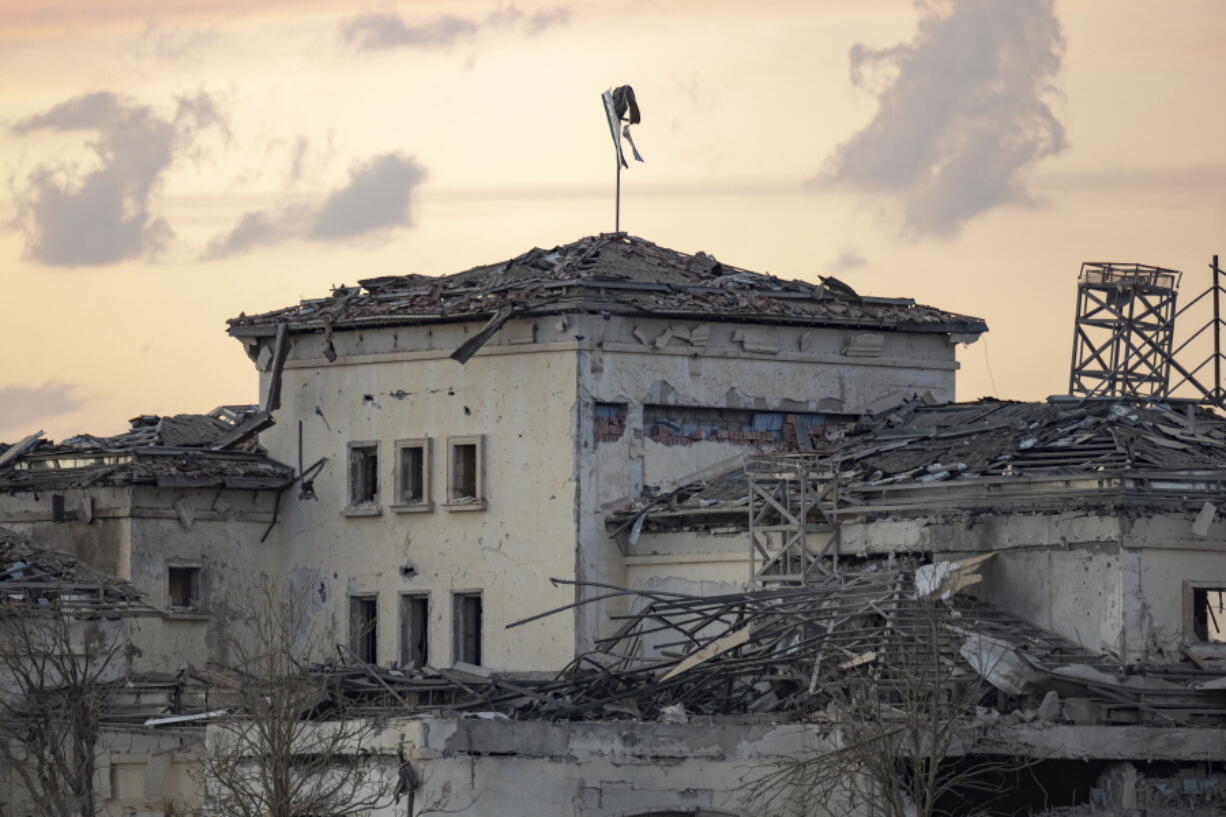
(171, 164)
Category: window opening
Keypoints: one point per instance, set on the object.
(682, 425)
(183, 587)
(1209, 614)
(414, 630)
(610, 422)
(468, 628)
(363, 474)
(363, 628)
(465, 484)
(413, 472)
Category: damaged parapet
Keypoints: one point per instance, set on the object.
(608, 274)
(184, 450)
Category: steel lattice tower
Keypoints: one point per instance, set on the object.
(1122, 341)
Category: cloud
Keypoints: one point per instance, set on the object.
(547, 18)
(848, 259)
(381, 31)
(963, 115)
(377, 198)
(177, 43)
(23, 407)
(72, 217)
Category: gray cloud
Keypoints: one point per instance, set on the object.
(848, 259)
(545, 19)
(176, 43)
(72, 217)
(381, 31)
(964, 115)
(22, 407)
(377, 198)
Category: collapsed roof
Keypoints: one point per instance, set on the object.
(30, 574)
(905, 632)
(952, 455)
(609, 273)
(183, 450)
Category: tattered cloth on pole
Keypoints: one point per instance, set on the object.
(620, 106)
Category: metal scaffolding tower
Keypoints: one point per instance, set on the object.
(1123, 341)
(793, 519)
(1124, 334)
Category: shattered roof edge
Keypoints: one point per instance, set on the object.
(972, 325)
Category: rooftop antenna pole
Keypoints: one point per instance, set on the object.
(620, 107)
(1217, 332)
(617, 209)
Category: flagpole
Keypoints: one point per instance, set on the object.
(617, 205)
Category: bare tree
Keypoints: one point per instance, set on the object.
(902, 725)
(57, 672)
(291, 745)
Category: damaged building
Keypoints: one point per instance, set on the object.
(616, 530)
(598, 368)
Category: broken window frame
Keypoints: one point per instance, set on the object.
(414, 629)
(613, 416)
(194, 573)
(1193, 632)
(364, 631)
(403, 505)
(467, 640)
(357, 506)
(455, 500)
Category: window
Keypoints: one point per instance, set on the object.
(610, 422)
(364, 475)
(683, 425)
(467, 629)
(183, 588)
(1209, 614)
(412, 475)
(465, 463)
(363, 628)
(414, 630)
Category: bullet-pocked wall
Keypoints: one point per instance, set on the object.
(466, 528)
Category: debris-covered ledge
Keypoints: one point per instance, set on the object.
(180, 451)
(612, 273)
(793, 653)
(951, 462)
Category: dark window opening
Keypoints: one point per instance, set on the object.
(412, 475)
(468, 628)
(1209, 614)
(414, 631)
(363, 628)
(183, 587)
(682, 425)
(363, 474)
(610, 422)
(464, 471)
(58, 513)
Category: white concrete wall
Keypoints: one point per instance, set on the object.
(382, 388)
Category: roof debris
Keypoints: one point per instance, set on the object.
(1124, 445)
(612, 273)
(785, 651)
(34, 575)
(176, 451)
